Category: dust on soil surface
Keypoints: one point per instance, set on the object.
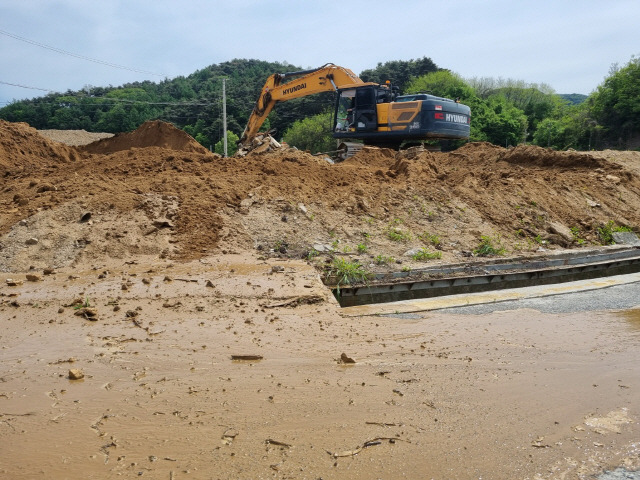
(148, 264)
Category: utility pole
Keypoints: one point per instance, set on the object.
(224, 115)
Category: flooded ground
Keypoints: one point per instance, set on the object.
(505, 395)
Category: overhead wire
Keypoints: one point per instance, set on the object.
(25, 86)
(76, 55)
(110, 101)
(215, 103)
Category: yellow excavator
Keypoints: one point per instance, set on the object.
(373, 113)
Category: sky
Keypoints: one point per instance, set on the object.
(60, 45)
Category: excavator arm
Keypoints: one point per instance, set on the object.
(308, 82)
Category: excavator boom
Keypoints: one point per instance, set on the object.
(308, 82)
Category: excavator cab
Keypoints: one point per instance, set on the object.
(356, 108)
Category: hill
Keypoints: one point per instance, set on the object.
(573, 98)
(192, 103)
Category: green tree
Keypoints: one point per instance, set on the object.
(199, 132)
(500, 122)
(536, 101)
(494, 119)
(399, 72)
(442, 83)
(232, 144)
(550, 133)
(312, 133)
(615, 105)
(115, 120)
(569, 127)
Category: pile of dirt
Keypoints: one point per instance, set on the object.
(179, 200)
(74, 137)
(23, 150)
(149, 134)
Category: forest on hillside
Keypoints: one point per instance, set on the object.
(504, 112)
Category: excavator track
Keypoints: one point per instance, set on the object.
(348, 149)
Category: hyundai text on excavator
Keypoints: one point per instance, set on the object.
(373, 113)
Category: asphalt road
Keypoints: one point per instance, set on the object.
(619, 297)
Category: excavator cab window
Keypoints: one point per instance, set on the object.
(356, 108)
(366, 117)
(384, 95)
(345, 110)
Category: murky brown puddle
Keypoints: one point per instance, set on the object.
(510, 395)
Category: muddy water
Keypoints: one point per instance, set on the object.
(509, 395)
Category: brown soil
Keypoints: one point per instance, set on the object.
(74, 137)
(190, 258)
(524, 198)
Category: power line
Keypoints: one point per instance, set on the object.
(82, 57)
(25, 86)
(108, 100)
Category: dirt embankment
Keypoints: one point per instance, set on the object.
(186, 202)
(153, 326)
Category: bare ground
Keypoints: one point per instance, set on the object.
(188, 260)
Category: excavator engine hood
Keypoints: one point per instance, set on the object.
(442, 117)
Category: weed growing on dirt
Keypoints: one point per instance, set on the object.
(362, 248)
(396, 234)
(575, 231)
(487, 247)
(430, 238)
(384, 260)
(605, 233)
(423, 255)
(347, 272)
(280, 246)
(85, 304)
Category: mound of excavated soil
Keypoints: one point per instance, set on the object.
(155, 191)
(23, 150)
(74, 137)
(149, 134)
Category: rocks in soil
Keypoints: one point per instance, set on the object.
(263, 142)
(87, 312)
(344, 358)
(626, 238)
(75, 374)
